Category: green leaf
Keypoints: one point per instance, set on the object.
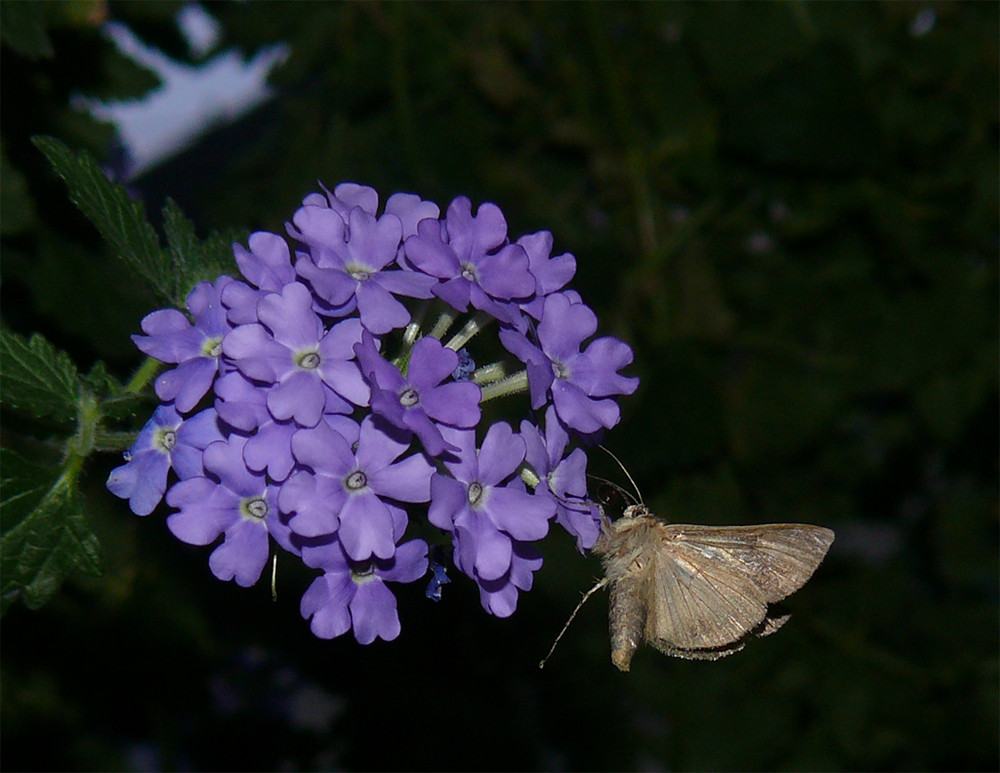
(22, 27)
(38, 378)
(195, 260)
(44, 534)
(120, 220)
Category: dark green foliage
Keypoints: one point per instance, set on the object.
(788, 209)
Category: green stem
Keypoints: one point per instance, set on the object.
(479, 321)
(513, 384)
(143, 376)
(444, 322)
(489, 373)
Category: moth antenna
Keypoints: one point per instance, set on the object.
(608, 452)
(586, 596)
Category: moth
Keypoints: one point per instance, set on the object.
(698, 592)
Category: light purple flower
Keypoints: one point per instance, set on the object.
(348, 260)
(471, 257)
(352, 491)
(267, 267)
(483, 508)
(499, 596)
(170, 337)
(167, 440)
(303, 363)
(551, 274)
(235, 503)
(353, 594)
(578, 382)
(562, 478)
(408, 207)
(420, 402)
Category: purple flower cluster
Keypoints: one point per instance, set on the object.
(332, 401)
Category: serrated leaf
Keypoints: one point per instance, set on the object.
(120, 220)
(38, 378)
(23, 28)
(194, 260)
(44, 533)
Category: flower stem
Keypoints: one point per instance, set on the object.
(489, 373)
(479, 321)
(518, 382)
(444, 322)
(412, 330)
(144, 375)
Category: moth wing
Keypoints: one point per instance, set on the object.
(712, 584)
(699, 603)
(778, 557)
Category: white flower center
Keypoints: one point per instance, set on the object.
(308, 360)
(475, 493)
(254, 509)
(356, 481)
(357, 271)
(165, 439)
(409, 397)
(212, 347)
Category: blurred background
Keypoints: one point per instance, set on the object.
(789, 210)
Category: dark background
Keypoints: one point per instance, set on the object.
(789, 210)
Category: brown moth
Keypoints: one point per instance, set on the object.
(698, 592)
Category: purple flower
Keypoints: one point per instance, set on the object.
(420, 402)
(267, 266)
(352, 491)
(408, 207)
(166, 441)
(473, 261)
(170, 337)
(353, 594)
(551, 274)
(481, 506)
(499, 596)
(577, 381)
(290, 350)
(236, 503)
(564, 479)
(347, 260)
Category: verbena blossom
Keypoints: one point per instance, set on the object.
(579, 383)
(196, 348)
(421, 403)
(486, 507)
(168, 441)
(234, 503)
(353, 595)
(341, 400)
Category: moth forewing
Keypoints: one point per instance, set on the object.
(778, 557)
